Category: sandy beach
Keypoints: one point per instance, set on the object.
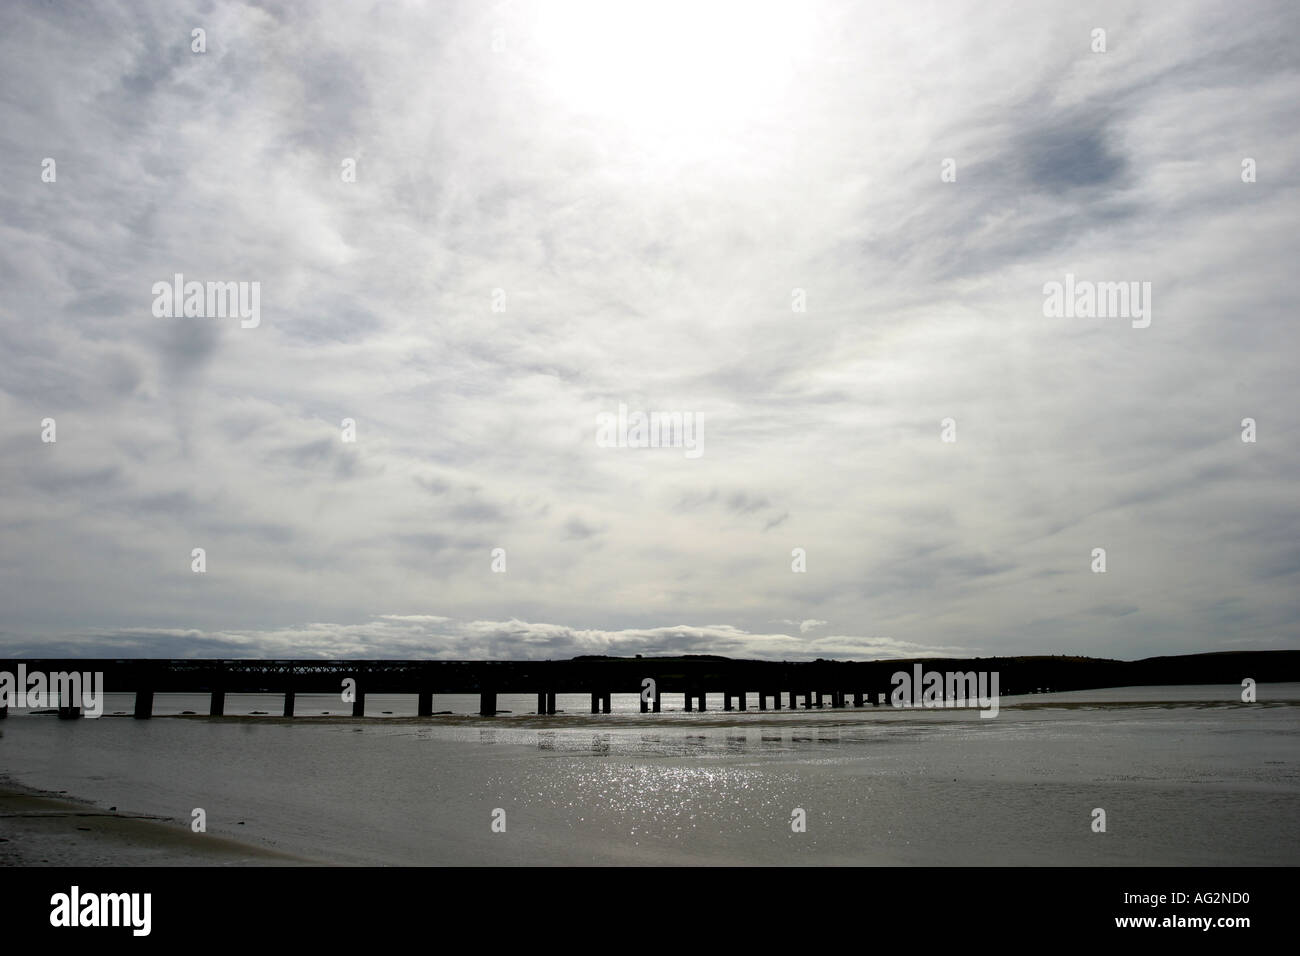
(39, 828)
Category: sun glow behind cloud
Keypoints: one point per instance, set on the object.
(674, 77)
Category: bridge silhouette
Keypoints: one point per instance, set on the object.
(820, 683)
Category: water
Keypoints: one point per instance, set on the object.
(1186, 775)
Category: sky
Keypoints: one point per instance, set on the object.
(823, 231)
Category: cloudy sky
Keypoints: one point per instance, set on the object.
(561, 208)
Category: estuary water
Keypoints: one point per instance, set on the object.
(1185, 775)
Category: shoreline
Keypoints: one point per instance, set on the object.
(45, 828)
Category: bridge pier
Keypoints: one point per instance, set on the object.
(604, 702)
(487, 704)
(541, 702)
(744, 703)
(595, 702)
(143, 704)
(794, 700)
(550, 701)
(218, 706)
(819, 700)
(837, 699)
(726, 701)
(359, 705)
(656, 705)
(68, 710)
(762, 700)
(688, 701)
(857, 698)
(776, 701)
(424, 704)
(289, 700)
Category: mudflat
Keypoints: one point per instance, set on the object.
(44, 829)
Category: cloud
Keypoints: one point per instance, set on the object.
(534, 238)
(805, 626)
(435, 637)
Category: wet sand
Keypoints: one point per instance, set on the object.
(45, 829)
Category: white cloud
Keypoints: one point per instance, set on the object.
(648, 257)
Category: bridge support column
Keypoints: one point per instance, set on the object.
(794, 700)
(424, 704)
(819, 700)
(726, 701)
(359, 705)
(604, 702)
(762, 700)
(656, 706)
(595, 702)
(703, 701)
(744, 702)
(68, 709)
(289, 700)
(541, 702)
(689, 701)
(550, 701)
(645, 705)
(218, 707)
(487, 704)
(857, 698)
(143, 704)
(776, 701)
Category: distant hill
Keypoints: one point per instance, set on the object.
(1027, 673)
